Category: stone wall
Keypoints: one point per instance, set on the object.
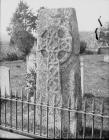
(103, 50)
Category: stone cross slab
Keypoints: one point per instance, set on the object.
(58, 65)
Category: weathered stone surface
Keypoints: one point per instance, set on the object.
(31, 59)
(58, 65)
(4, 81)
(31, 62)
(106, 58)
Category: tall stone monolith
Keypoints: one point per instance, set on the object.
(58, 64)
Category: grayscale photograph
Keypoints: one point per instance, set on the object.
(54, 69)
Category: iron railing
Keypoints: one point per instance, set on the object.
(18, 114)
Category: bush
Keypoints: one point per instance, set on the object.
(11, 57)
(31, 82)
(23, 41)
(103, 50)
(83, 46)
(89, 52)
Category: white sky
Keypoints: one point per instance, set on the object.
(87, 11)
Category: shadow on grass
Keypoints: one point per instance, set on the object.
(88, 133)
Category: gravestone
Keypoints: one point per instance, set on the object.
(4, 81)
(106, 58)
(58, 65)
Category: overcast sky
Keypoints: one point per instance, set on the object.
(87, 11)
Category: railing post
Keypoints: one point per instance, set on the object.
(22, 106)
(61, 124)
(69, 111)
(5, 106)
(11, 108)
(34, 111)
(54, 111)
(28, 109)
(47, 117)
(16, 107)
(76, 118)
(93, 111)
(84, 125)
(0, 105)
(41, 117)
(102, 111)
(82, 76)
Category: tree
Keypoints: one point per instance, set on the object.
(21, 26)
(24, 41)
(23, 19)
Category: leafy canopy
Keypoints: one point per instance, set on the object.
(23, 19)
(23, 22)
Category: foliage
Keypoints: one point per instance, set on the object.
(89, 52)
(83, 46)
(31, 81)
(11, 57)
(23, 19)
(23, 40)
(22, 24)
(10, 53)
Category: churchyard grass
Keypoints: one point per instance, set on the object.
(96, 74)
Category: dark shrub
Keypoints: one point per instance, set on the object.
(104, 50)
(83, 46)
(89, 52)
(23, 40)
(11, 57)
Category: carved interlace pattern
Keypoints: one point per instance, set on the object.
(56, 47)
(57, 42)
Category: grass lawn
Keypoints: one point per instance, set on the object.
(96, 75)
(17, 73)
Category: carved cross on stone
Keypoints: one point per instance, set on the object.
(58, 64)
